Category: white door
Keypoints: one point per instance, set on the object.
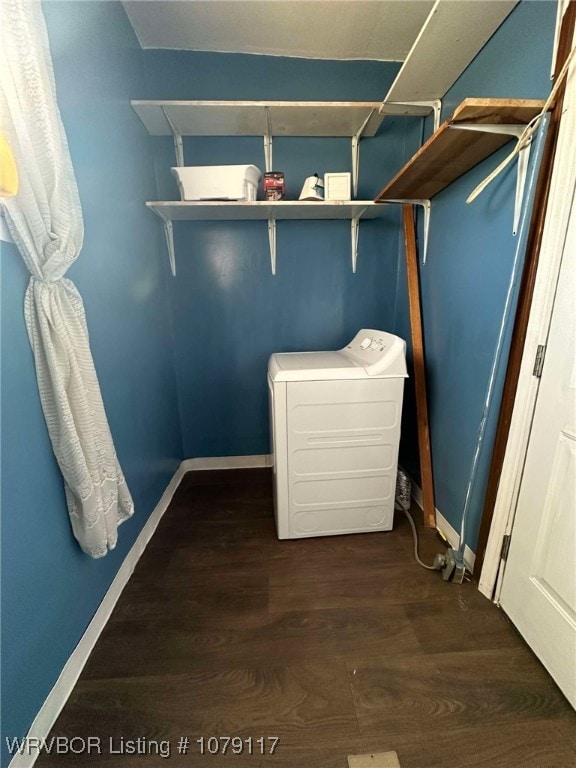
(539, 583)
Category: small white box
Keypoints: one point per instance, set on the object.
(337, 186)
(218, 182)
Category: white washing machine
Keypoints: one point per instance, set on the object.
(335, 430)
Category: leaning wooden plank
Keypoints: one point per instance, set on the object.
(449, 153)
(419, 368)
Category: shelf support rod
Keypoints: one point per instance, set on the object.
(178, 145)
(268, 143)
(516, 131)
(426, 208)
(272, 242)
(356, 154)
(435, 106)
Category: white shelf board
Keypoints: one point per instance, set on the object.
(262, 210)
(274, 118)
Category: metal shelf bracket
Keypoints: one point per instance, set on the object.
(178, 144)
(435, 105)
(426, 207)
(179, 150)
(355, 164)
(356, 154)
(272, 242)
(523, 158)
(268, 143)
(169, 232)
(354, 233)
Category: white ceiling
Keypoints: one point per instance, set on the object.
(324, 29)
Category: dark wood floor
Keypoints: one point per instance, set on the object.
(337, 645)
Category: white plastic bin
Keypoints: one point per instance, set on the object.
(218, 182)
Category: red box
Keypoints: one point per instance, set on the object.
(274, 185)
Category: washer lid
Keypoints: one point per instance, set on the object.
(371, 354)
(314, 366)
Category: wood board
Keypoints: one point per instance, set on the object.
(419, 368)
(449, 153)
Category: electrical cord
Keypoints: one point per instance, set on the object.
(404, 508)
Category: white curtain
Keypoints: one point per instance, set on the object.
(45, 221)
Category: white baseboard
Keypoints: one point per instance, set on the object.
(227, 462)
(445, 528)
(62, 689)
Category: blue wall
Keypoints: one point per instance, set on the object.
(466, 276)
(50, 589)
(230, 313)
(212, 329)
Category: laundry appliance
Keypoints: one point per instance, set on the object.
(335, 429)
